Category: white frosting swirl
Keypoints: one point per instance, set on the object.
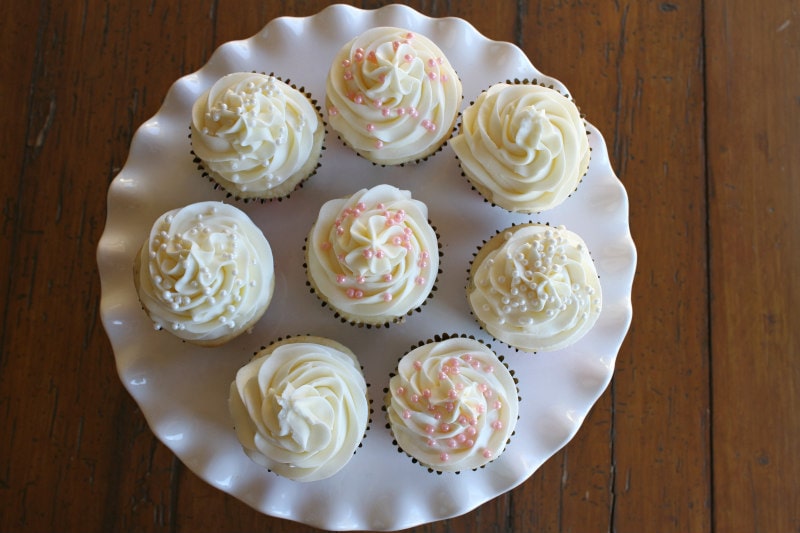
(523, 146)
(300, 407)
(392, 95)
(535, 287)
(255, 134)
(205, 272)
(452, 404)
(373, 256)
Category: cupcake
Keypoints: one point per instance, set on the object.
(373, 256)
(452, 405)
(535, 287)
(392, 96)
(300, 407)
(256, 136)
(524, 147)
(205, 273)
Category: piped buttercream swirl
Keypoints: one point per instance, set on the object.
(535, 287)
(373, 256)
(523, 146)
(300, 407)
(452, 404)
(255, 134)
(205, 272)
(392, 95)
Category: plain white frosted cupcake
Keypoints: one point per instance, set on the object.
(300, 407)
(523, 146)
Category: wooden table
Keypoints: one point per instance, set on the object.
(700, 105)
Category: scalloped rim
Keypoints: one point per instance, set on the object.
(554, 408)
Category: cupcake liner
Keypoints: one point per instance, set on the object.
(287, 188)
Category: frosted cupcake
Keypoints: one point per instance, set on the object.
(452, 404)
(535, 287)
(256, 136)
(392, 96)
(524, 147)
(205, 273)
(373, 256)
(300, 407)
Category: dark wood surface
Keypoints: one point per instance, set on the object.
(700, 105)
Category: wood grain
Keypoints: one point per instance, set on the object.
(698, 102)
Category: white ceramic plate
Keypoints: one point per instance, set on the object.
(182, 389)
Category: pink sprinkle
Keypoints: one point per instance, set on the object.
(460, 386)
(426, 123)
(387, 277)
(359, 99)
(442, 375)
(429, 429)
(466, 357)
(431, 442)
(415, 398)
(400, 111)
(488, 369)
(409, 35)
(325, 245)
(475, 364)
(444, 78)
(437, 416)
(381, 78)
(370, 127)
(498, 404)
(368, 253)
(420, 280)
(471, 431)
(487, 454)
(379, 254)
(431, 62)
(462, 420)
(371, 57)
(452, 393)
(406, 414)
(380, 205)
(482, 387)
(361, 279)
(333, 111)
(341, 278)
(348, 75)
(461, 438)
(387, 297)
(497, 424)
(480, 408)
(408, 57)
(451, 443)
(426, 393)
(450, 406)
(444, 428)
(469, 443)
(418, 365)
(378, 144)
(346, 63)
(489, 393)
(378, 102)
(444, 457)
(385, 111)
(395, 45)
(361, 206)
(359, 55)
(397, 241)
(351, 293)
(401, 390)
(413, 112)
(439, 60)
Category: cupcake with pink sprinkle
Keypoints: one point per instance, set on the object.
(452, 405)
(392, 96)
(373, 256)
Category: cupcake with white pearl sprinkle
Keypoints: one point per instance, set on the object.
(452, 405)
(256, 136)
(205, 273)
(535, 287)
